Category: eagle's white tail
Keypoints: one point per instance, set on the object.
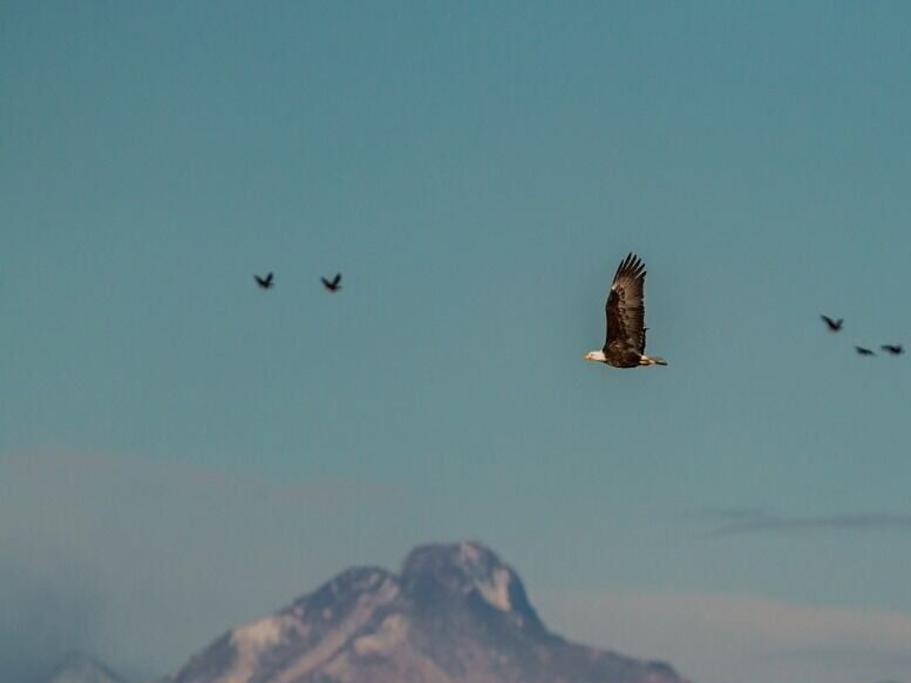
(652, 360)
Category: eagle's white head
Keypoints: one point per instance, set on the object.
(596, 356)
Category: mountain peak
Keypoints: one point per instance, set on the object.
(461, 568)
(468, 558)
(456, 613)
(468, 571)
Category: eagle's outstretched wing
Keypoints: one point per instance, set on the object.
(625, 308)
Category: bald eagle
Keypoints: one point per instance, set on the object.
(624, 345)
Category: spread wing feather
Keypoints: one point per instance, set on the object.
(625, 308)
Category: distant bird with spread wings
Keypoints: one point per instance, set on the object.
(863, 351)
(334, 284)
(624, 345)
(894, 349)
(834, 325)
(264, 282)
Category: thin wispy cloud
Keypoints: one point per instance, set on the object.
(715, 638)
(746, 521)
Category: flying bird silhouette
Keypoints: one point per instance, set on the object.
(624, 343)
(833, 325)
(863, 351)
(894, 349)
(264, 282)
(334, 284)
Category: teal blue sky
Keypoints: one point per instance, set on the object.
(475, 172)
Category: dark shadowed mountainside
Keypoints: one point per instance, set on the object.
(455, 613)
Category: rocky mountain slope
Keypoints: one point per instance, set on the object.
(455, 613)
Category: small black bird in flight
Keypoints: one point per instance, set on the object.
(334, 284)
(864, 352)
(833, 325)
(264, 282)
(894, 349)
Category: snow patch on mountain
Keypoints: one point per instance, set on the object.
(496, 592)
(329, 646)
(250, 642)
(392, 632)
(469, 553)
(487, 575)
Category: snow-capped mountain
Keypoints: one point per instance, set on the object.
(80, 668)
(455, 613)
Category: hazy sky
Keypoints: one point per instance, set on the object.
(180, 451)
